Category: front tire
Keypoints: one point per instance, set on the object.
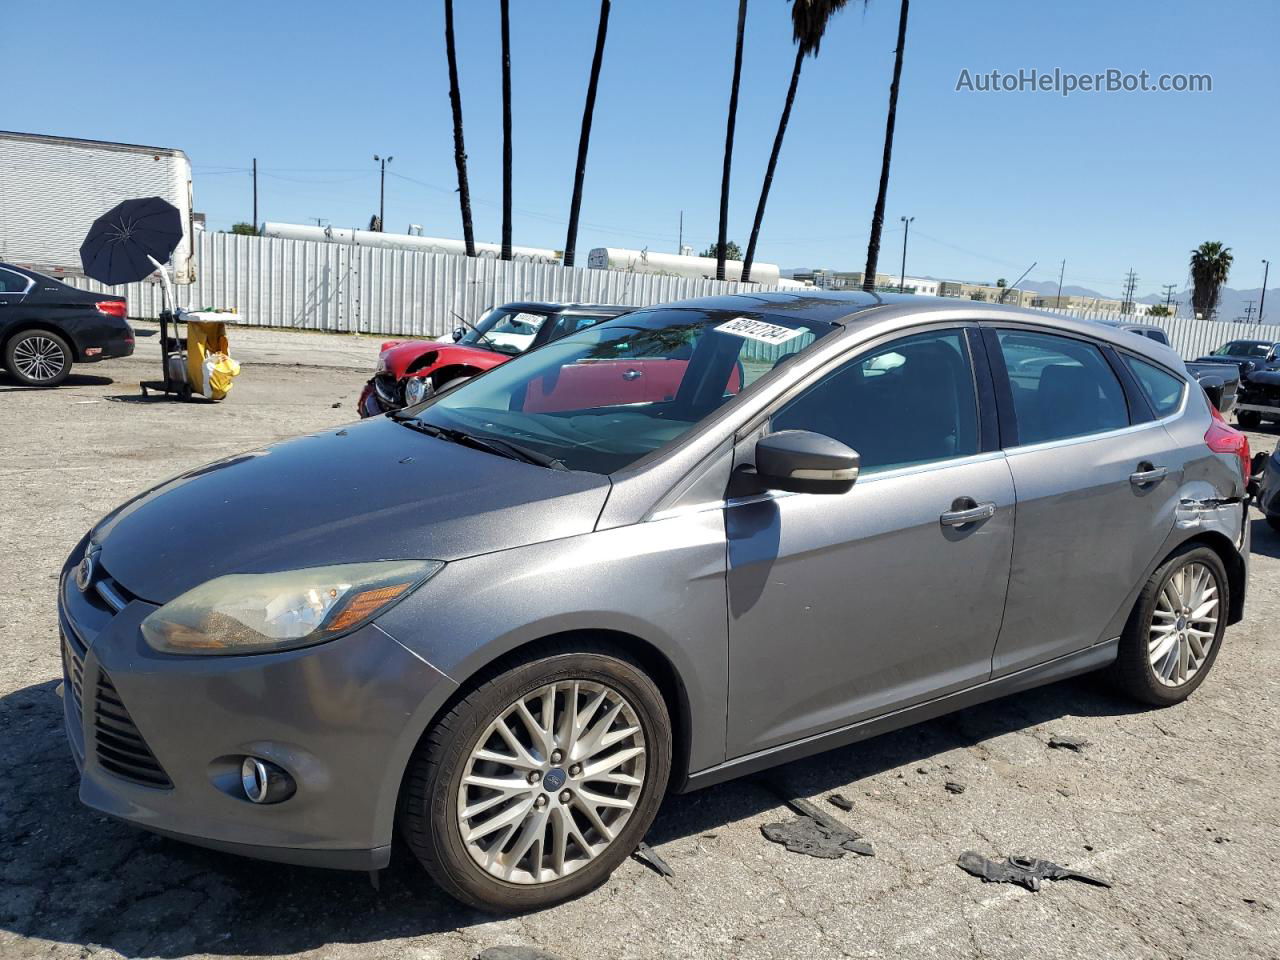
(540, 781)
(38, 358)
(1249, 419)
(1173, 636)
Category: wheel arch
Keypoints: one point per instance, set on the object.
(1234, 564)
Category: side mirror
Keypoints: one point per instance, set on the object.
(459, 333)
(805, 462)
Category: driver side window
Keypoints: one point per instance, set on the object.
(906, 402)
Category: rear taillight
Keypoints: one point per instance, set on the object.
(113, 308)
(1223, 438)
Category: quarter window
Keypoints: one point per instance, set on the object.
(1061, 387)
(910, 401)
(1163, 389)
(11, 282)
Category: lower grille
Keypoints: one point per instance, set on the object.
(120, 747)
(73, 671)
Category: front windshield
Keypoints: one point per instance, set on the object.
(603, 398)
(1243, 348)
(505, 330)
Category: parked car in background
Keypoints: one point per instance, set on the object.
(841, 514)
(47, 326)
(1258, 397)
(409, 371)
(1221, 381)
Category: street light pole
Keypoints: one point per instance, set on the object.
(382, 192)
(1266, 268)
(906, 228)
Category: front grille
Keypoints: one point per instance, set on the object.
(73, 671)
(120, 746)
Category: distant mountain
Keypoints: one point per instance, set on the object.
(1068, 290)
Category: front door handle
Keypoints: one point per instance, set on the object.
(970, 514)
(1148, 474)
(631, 375)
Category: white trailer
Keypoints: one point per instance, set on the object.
(676, 265)
(53, 188)
(402, 241)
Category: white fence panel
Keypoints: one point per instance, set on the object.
(1190, 337)
(274, 282)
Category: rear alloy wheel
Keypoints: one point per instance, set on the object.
(38, 358)
(534, 787)
(1174, 634)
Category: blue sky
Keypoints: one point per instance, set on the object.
(1110, 181)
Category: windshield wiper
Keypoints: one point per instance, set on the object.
(483, 337)
(495, 445)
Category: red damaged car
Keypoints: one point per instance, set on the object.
(409, 371)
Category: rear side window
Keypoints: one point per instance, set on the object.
(11, 282)
(1061, 387)
(1158, 336)
(910, 401)
(1162, 388)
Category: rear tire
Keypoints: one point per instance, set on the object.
(38, 358)
(1249, 419)
(553, 848)
(1172, 638)
(1273, 522)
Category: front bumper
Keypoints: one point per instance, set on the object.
(373, 403)
(158, 738)
(1266, 410)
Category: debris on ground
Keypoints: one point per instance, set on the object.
(649, 857)
(337, 404)
(841, 801)
(808, 836)
(1057, 742)
(952, 787)
(515, 953)
(1024, 871)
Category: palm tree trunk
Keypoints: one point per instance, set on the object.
(723, 235)
(773, 163)
(877, 218)
(459, 149)
(504, 6)
(584, 139)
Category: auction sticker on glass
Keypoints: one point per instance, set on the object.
(759, 330)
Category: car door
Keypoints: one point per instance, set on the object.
(1096, 491)
(847, 606)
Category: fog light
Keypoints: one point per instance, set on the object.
(264, 782)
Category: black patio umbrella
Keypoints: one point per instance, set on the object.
(119, 242)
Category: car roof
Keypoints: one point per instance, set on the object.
(544, 306)
(888, 311)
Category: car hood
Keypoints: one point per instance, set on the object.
(374, 490)
(398, 359)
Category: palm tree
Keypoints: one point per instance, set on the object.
(877, 217)
(809, 19)
(1210, 264)
(504, 7)
(459, 149)
(584, 139)
(728, 142)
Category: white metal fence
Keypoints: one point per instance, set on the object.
(275, 282)
(324, 286)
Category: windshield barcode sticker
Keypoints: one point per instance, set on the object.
(759, 330)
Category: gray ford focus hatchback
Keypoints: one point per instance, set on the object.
(680, 546)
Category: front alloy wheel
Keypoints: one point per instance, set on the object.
(551, 782)
(538, 782)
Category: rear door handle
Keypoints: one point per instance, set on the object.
(1147, 474)
(975, 514)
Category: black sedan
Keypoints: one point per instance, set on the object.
(46, 326)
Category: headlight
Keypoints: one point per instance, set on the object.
(265, 612)
(416, 389)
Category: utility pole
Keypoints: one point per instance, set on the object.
(1266, 268)
(1130, 284)
(255, 195)
(1057, 301)
(906, 228)
(1168, 289)
(680, 242)
(1248, 311)
(382, 191)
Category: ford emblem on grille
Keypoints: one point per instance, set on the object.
(87, 568)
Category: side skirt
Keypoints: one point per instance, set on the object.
(1081, 661)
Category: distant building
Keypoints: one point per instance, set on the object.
(986, 293)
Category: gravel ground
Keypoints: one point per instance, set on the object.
(1177, 807)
